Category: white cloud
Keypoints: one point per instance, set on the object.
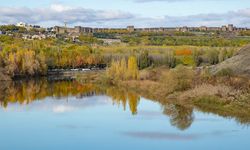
(62, 109)
(58, 14)
(59, 8)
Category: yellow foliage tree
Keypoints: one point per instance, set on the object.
(133, 72)
(119, 70)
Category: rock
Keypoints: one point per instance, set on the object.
(239, 64)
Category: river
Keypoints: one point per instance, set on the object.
(44, 114)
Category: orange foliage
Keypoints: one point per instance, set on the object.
(184, 52)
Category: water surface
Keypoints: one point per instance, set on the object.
(68, 115)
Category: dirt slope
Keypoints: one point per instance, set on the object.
(239, 64)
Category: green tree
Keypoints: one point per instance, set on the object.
(144, 60)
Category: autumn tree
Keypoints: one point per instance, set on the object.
(121, 70)
(11, 64)
(133, 72)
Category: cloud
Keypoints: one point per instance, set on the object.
(62, 109)
(239, 18)
(161, 136)
(58, 14)
(62, 105)
(176, 136)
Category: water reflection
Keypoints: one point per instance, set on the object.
(162, 136)
(180, 116)
(25, 92)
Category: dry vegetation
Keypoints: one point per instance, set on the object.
(185, 83)
(186, 87)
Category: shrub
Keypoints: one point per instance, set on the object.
(178, 79)
(225, 72)
(170, 59)
(185, 52)
(187, 60)
(144, 60)
(212, 56)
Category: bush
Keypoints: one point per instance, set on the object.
(144, 60)
(212, 56)
(170, 59)
(178, 79)
(225, 72)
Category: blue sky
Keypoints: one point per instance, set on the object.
(120, 13)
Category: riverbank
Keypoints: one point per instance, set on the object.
(182, 83)
(227, 96)
(212, 95)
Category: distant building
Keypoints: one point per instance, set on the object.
(169, 29)
(50, 29)
(230, 27)
(131, 28)
(203, 28)
(111, 41)
(39, 37)
(27, 37)
(1, 32)
(184, 29)
(213, 29)
(36, 26)
(79, 29)
(21, 24)
(51, 35)
(224, 28)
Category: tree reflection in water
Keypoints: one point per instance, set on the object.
(26, 91)
(180, 116)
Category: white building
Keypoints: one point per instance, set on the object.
(21, 24)
(39, 37)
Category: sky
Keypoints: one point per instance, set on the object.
(121, 13)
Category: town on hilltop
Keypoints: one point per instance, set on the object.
(79, 29)
(31, 32)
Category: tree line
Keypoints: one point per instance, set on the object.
(185, 40)
(22, 57)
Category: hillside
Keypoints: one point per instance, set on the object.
(239, 64)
